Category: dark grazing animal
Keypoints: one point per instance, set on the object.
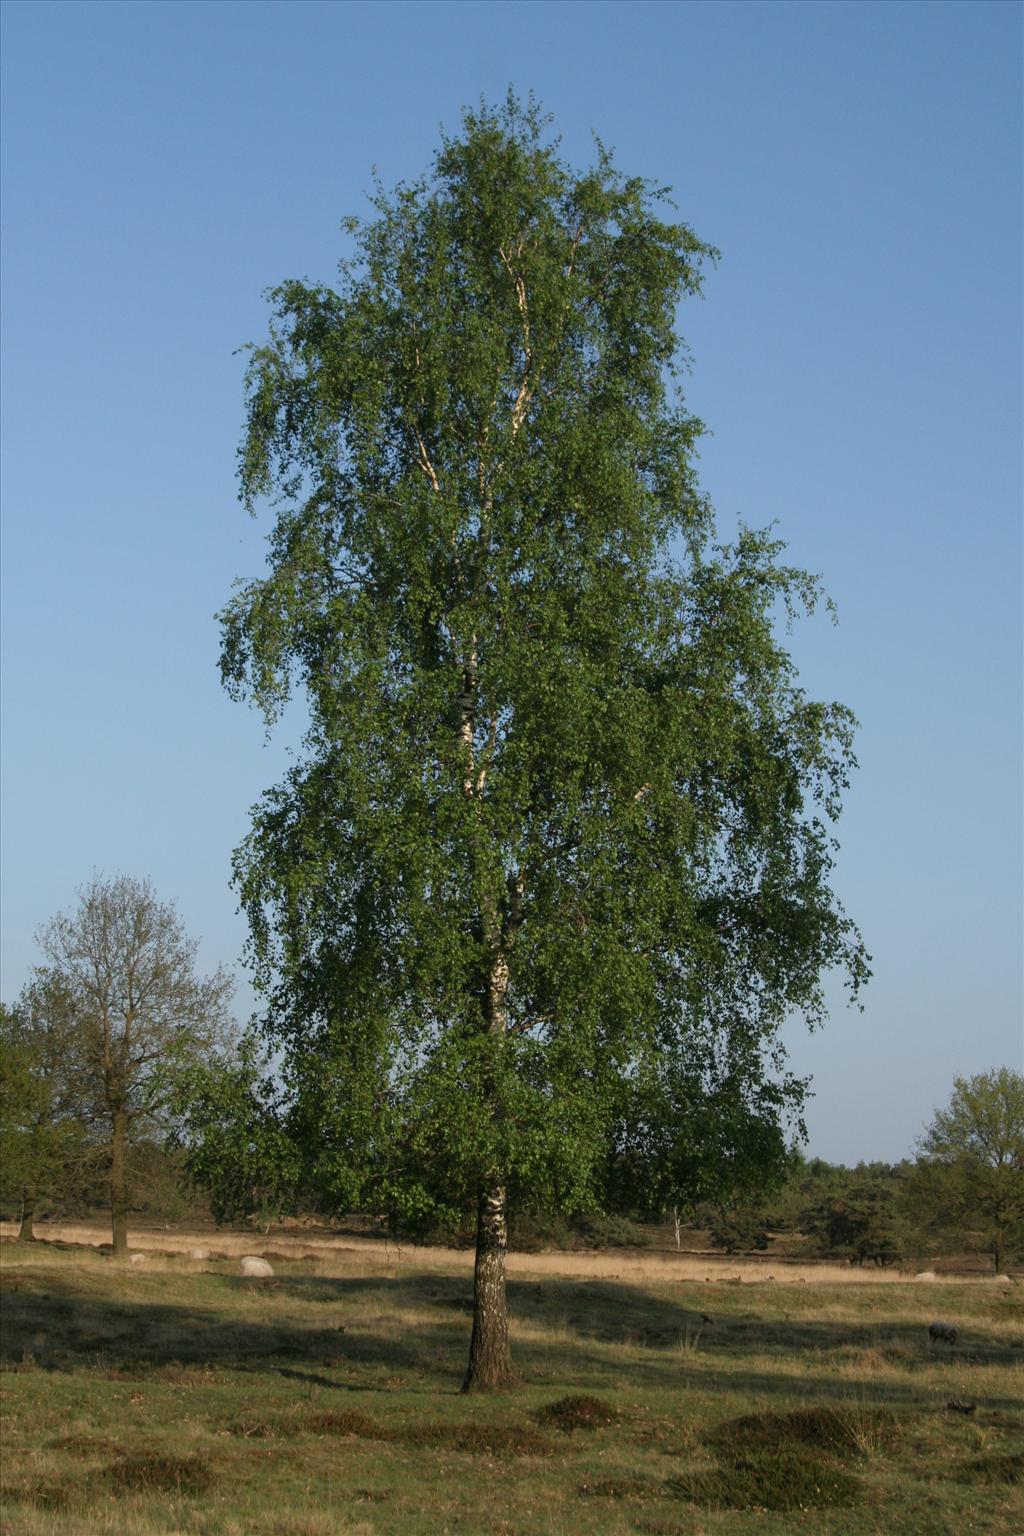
(944, 1331)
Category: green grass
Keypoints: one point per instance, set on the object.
(161, 1401)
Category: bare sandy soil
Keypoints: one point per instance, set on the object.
(341, 1253)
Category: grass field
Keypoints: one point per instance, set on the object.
(176, 1397)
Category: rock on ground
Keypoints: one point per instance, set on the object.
(255, 1268)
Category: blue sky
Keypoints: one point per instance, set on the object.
(857, 357)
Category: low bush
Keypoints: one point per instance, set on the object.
(1005, 1467)
(770, 1479)
(151, 1472)
(834, 1429)
(482, 1439)
(256, 1427)
(622, 1488)
(346, 1421)
(580, 1412)
(86, 1446)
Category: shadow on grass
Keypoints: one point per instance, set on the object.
(55, 1320)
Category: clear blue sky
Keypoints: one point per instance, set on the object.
(857, 357)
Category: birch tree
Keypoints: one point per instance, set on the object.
(563, 811)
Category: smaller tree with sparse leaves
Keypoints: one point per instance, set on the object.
(140, 1013)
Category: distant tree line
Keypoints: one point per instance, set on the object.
(123, 1087)
(963, 1193)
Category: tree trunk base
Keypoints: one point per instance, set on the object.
(490, 1360)
(28, 1211)
(476, 1384)
(119, 1185)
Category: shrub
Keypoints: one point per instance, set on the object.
(346, 1421)
(832, 1429)
(155, 1473)
(482, 1439)
(997, 1467)
(582, 1412)
(770, 1479)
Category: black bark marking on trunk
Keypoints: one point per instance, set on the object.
(490, 1361)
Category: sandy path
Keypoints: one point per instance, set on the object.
(374, 1254)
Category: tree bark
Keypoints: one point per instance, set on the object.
(490, 1361)
(28, 1207)
(119, 1183)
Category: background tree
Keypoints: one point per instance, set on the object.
(140, 1012)
(808, 1182)
(232, 1120)
(739, 1227)
(969, 1176)
(563, 809)
(860, 1216)
(694, 1137)
(44, 1131)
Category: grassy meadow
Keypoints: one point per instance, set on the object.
(175, 1397)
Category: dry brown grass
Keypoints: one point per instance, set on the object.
(167, 1249)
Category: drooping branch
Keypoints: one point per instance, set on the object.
(424, 462)
(534, 1021)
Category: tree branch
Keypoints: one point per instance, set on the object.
(525, 395)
